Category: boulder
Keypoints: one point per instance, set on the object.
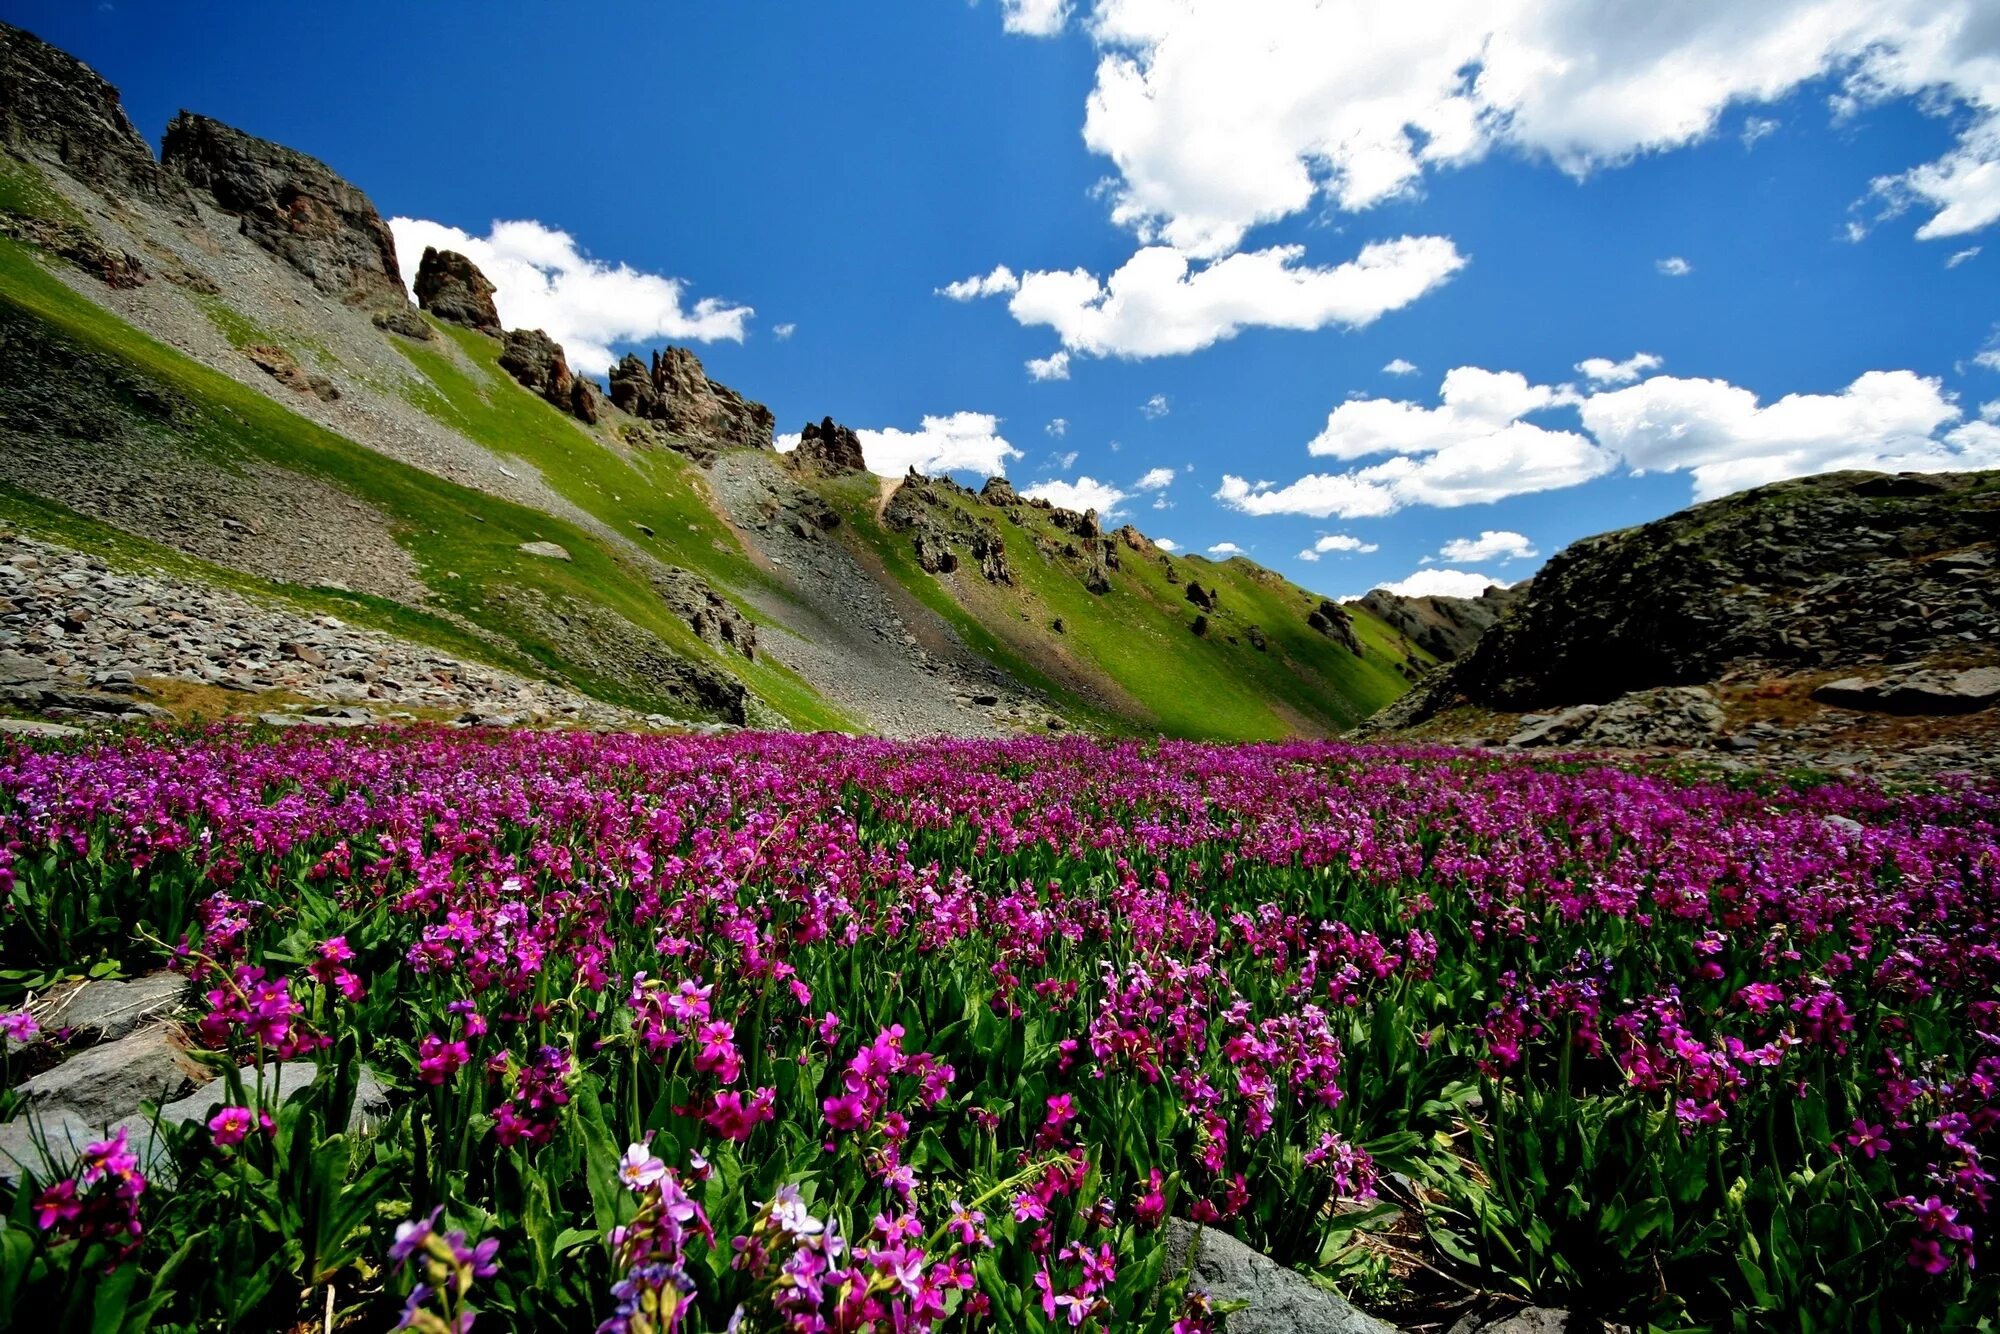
(828, 447)
(34, 727)
(107, 1010)
(103, 1083)
(1932, 691)
(451, 287)
(537, 361)
(1201, 597)
(1332, 620)
(547, 550)
(296, 207)
(1279, 1300)
(1673, 717)
(999, 491)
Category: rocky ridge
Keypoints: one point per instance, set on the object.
(676, 393)
(1444, 627)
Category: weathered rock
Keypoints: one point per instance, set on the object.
(999, 491)
(712, 617)
(1331, 619)
(548, 550)
(107, 1010)
(1537, 1320)
(1935, 691)
(677, 393)
(283, 367)
(296, 207)
(932, 510)
(1444, 627)
(451, 287)
(103, 1083)
(1279, 1300)
(279, 1084)
(1201, 597)
(536, 360)
(34, 727)
(1671, 717)
(828, 447)
(1097, 579)
(56, 108)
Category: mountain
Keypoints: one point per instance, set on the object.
(241, 471)
(1828, 619)
(1444, 627)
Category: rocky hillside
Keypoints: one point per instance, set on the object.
(1444, 627)
(216, 376)
(1828, 616)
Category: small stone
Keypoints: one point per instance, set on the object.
(549, 550)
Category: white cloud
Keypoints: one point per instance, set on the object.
(1160, 502)
(1157, 304)
(1155, 407)
(543, 280)
(961, 442)
(1034, 18)
(1442, 584)
(783, 331)
(1492, 544)
(1959, 257)
(1057, 427)
(1166, 544)
(1719, 434)
(1757, 127)
(1990, 411)
(1219, 115)
(1064, 461)
(1476, 446)
(1987, 357)
(1341, 542)
(1055, 366)
(1226, 549)
(1155, 479)
(1085, 493)
(1603, 370)
(1674, 266)
(997, 283)
(1400, 367)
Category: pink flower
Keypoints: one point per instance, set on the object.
(229, 1126)
(849, 1111)
(733, 1119)
(19, 1026)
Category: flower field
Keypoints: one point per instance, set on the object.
(816, 1033)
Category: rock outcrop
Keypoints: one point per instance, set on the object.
(931, 510)
(297, 208)
(675, 392)
(1444, 627)
(1332, 620)
(828, 447)
(537, 361)
(55, 108)
(451, 287)
(1843, 570)
(1268, 1298)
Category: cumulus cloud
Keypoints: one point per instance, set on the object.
(1442, 584)
(1055, 366)
(1166, 544)
(1477, 446)
(997, 283)
(1155, 479)
(960, 442)
(1085, 493)
(1400, 367)
(1155, 407)
(1341, 542)
(1218, 116)
(1674, 266)
(1603, 370)
(1160, 304)
(1034, 18)
(543, 280)
(1492, 544)
(1226, 549)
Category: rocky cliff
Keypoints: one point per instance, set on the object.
(296, 207)
(451, 287)
(674, 391)
(1444, 627)
(55, 108)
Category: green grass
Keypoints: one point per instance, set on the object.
(25, 191)
(465, 542)
(1137, 638)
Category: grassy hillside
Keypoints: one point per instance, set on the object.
(1129, 658)
(466, 543)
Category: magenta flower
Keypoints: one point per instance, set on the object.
(229, 1126)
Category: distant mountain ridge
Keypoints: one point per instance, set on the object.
(214, 369)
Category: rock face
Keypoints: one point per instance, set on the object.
(1923, 691)
(56, 108)
(537, 361)
(1278, 1300)
(1840, 570)
(1331, 619)
(828, 447)
(451, 287)
(939, 528)
(296, 207)
(675, 392)
(1446, 628)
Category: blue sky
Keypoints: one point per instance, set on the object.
(1296, 196)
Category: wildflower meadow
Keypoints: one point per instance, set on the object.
(813, 1033)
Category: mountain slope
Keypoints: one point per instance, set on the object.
(212, 353)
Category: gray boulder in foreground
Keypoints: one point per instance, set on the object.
(1281, 1301)
(107, 1010)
